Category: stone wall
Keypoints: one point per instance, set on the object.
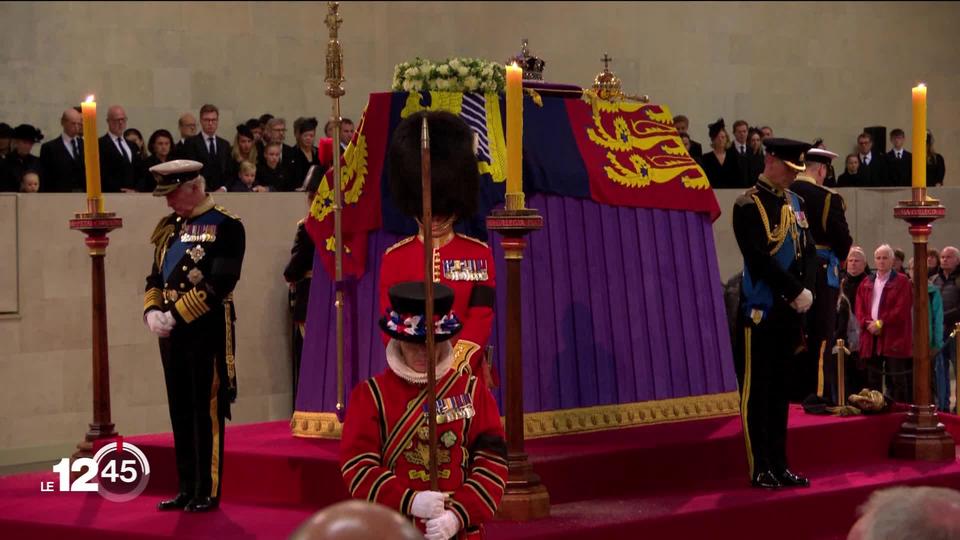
(807, 69)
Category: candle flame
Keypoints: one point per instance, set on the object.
(89, 99)
(921, 85)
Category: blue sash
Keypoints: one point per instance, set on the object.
(179, 248)
(833, 267)
(756, 296)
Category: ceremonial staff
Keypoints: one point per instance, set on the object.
(427, 226)
(334, 81)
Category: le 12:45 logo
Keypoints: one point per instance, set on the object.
(119, 472)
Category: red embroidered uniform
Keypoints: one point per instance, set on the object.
(465, 265)
(384, 452)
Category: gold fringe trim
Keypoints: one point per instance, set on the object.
(562, 422)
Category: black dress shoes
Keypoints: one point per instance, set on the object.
(201, 504)
(791, 479)
(766, 479)
(177, 503)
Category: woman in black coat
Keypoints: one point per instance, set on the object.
(720, 164)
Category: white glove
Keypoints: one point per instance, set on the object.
(427, 504)
(169, 321)
(156, 322)
(443, 527)
(803, 301)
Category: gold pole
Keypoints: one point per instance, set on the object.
(427, 226)
(335, 90)
(841, 381)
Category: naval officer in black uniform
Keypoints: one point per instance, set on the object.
(772, 233)
(814, 369)
(188, 304)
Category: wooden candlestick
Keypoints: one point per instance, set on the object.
(525, 497)
(96, 226)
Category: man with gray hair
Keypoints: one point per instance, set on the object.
(813, 372)
(917, 513)
(947, 279)
(885, 314)
(188, 305)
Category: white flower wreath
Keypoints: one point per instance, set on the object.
(451, 75)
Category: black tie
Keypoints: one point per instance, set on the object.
(76, 149)
(211, 147)
(122, 151)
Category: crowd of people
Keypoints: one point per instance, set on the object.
(738, 163)
(273, 165)
(875, 318)
(253, 158)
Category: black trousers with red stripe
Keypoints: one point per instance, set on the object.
(194, 372)
(762, 359)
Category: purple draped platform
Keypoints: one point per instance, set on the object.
(620, 305)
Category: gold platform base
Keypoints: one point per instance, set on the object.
(325, 425)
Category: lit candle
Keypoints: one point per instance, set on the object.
(920, 136)
(514, 129)
(91, 155)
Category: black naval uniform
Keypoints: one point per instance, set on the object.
(299, 274)
(195, 267)
(815, 369)
(771, 231)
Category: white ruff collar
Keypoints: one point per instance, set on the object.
(405, 372)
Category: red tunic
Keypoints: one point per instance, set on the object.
(384, 453)
(465, 265)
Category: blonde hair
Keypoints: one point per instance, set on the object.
(247, 167)
(235, 151)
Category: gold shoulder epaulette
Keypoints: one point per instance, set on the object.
(405, 241)
(226, 212)
(162, 230)
(472, 239)
(746, 197)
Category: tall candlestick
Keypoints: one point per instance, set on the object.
(920, 136)
(91, 155)
(514, 137)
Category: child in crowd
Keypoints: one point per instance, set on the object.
(30, 182)
(246, 179)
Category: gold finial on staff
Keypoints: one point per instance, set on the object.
(335, 90)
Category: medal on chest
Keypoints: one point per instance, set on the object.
(198, 233)
(454, 408)
(465, 270)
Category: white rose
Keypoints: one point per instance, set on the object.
(455, 63)
(444, 69)
(471, 83)
(462, 71)
(408, 85)
(487, 71)
(443, 84)
(412, 72)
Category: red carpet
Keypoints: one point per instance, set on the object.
(671, 480)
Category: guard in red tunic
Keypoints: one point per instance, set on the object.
(462, 263)
(384, 450)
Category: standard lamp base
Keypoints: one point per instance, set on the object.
(922, 437)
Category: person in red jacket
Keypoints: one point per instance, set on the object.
(460, 262)
(384, 449)
(884, 309)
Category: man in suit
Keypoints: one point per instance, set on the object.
(901, 161)
(209, 149)
(118, 162)
(187, 125)
(873, 166)
(742, 147)
(61, 159)
(682, 123)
